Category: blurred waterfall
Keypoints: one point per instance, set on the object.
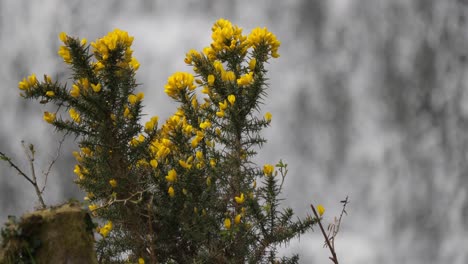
(369, 99)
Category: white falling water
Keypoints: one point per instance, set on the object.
(368, 100)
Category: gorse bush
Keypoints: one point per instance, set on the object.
(186, 191)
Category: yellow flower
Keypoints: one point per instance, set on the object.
(64, 52)
(206, 124)
(171, 191)
(92, 207)
(232, 99)
(223, 105)
(268, 116)
(228, 76)
(185, 165)
(127, 113)
(50, 94)
(132, 99)
(134, 64)
(212, 162)
(83, 42)
(245, 80)
(320, 209)
(113, 183)
(171, 176)
(179, 82)
(105, 230)
(220, 114)
(75, 115)
(141, 261)
(63, 37)
(49, 117)
(28, 83)
(48, 79)
(78, 172)
(240, 199)
(211, 79)
(237, 220)
(75, 91)
(262, 37)
(208, 181)
(190, 55)
(96, 87)
(268, 169)
(154, 163)
(227, 223)
(140, 96)
(252, 64)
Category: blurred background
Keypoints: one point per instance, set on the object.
(369, 99)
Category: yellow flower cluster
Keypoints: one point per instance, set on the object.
(320, 209)
(75, 116)
(268, 169)
(177, 83)
(49, 117)
(82, 86)
(105, 230)
(112, 41)
(226, 37)
(28, 83)
(261, 36)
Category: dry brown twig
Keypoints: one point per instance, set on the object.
(333, 230)
(30, 154)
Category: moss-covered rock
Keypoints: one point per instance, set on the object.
(61, 234)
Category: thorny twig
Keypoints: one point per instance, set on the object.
(333, 229)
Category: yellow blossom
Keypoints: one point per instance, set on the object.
(171, 191)
(75, 115)
(63, 37)
(92, 207)
(140, 96)
(64, 52)
(191, 55)
(28, 83)
(232, 99)
(179, 82)
(237, 219)
(208, 181)
(113, 183)
(212, 162)
(96, 87)
(245, 80)
(127, 113)
(211, 79)
(268, 116)
(228, 76)
(47, 79)
(206, 124)
(240, 199)
(141, 261)
(83, 42)
(252, 64)
(223, 105)
(50, 94)
(185, 165)
(154, 163)
(171, 176)
(320, 209)
(227, 223)
(220, 114)
(105, 230)
(132, 99)
(134, 64)
(149, 126)
(262, 37)
(75, 91)
(49, 117)
(268, 169)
